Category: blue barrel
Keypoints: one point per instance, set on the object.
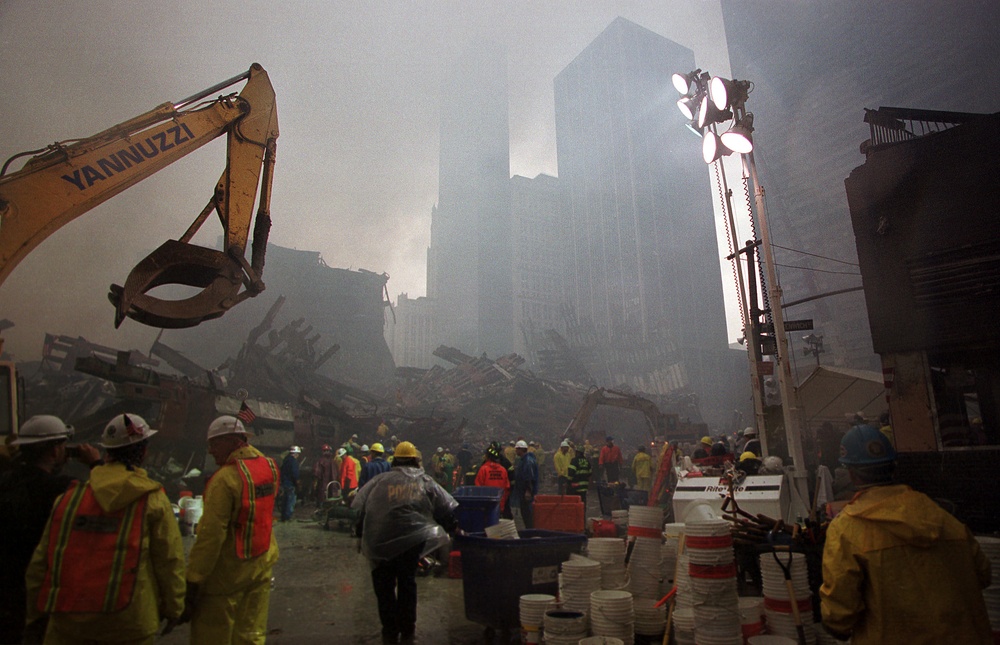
(478, 507)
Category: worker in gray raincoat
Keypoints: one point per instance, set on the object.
(403, 515)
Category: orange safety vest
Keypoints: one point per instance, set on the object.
(93, 556)
(256, 514)
(348, 474)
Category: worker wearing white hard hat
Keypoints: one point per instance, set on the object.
(560, 461)
(289, 480)
(229, 570)
(27, 492)
(134, 578)
(752, 443)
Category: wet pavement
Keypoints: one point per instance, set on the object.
(323, 593)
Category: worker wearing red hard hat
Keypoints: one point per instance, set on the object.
(229, 567)
(898, 568)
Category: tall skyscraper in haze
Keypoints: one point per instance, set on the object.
(645, 260)
(468, 263)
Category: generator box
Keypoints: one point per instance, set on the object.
(756, 494)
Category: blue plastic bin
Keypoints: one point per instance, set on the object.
(478, 507)
(496, 573)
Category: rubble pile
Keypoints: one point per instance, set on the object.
(475, 400)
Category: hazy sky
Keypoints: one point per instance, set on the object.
(357, 88)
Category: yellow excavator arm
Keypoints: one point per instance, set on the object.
(658, 423)
(67, 179)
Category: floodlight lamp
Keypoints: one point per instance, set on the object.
(739, 138)
(726, 92)
(685, 83)
(708, 114)
(688, 107)
(712, 148)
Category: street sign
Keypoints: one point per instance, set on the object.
(765, 368)
(768, 346)
(790, 325)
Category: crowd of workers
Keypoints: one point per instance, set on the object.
(103, 560)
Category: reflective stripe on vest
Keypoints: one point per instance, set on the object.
(254, 520)
(93, 556)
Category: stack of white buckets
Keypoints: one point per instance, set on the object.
(645, 569)
(777, 601)
(712, 570)
(579, 577)
(532, 608)
(610, 552)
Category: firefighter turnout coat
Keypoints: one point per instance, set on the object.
(111, 560)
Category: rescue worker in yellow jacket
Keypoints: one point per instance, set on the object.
(110, 565)
(560, 461)
(229, 567)
(642, 467)
(897, 568)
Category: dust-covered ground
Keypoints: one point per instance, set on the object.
(323, 593)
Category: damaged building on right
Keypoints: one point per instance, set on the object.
(924, 212)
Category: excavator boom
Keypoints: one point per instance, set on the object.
(70, 178)
(659, 424)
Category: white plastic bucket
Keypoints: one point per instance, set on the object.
(562, 622)
(193, 508)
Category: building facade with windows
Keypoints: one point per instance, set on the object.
(644, 264)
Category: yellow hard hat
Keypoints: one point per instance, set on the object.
(707, 441)
(377, 447)
(749, 454)
(405, 449)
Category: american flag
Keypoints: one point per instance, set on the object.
(245, 414)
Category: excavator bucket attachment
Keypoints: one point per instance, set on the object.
(218, 275)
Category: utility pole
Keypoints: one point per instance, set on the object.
(751, 335)
(789, 399)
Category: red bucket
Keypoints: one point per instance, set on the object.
(603, 528)
(455, 564)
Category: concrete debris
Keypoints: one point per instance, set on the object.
(476, 400)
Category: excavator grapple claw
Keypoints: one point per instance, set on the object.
(217, 274)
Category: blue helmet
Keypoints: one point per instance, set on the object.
(865, 445)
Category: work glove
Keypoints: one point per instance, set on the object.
(190, 604)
